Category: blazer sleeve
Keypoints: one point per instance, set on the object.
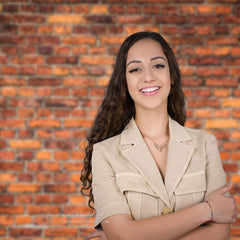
(108, 200)
(215, 175)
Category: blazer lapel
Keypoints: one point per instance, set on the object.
(137, 152)
(180, 152)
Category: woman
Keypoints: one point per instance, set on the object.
(149, 176)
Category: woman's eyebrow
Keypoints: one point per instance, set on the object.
(154, 58)
(134, 61)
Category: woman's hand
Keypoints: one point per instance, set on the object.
(97, 234)
(224, 208)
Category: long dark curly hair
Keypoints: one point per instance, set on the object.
(118, 108)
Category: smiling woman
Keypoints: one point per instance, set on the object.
(147, 173)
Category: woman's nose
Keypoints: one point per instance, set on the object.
(148, 75)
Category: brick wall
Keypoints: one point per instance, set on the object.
(56, 58)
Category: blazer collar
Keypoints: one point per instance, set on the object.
(179, 154)
(131, 133)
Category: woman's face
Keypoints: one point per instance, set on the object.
(147, 75)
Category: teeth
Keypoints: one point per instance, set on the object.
(149, 89)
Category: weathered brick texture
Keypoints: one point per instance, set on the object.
(56, 57)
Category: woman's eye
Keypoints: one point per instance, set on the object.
(134, 70)
(159, 66)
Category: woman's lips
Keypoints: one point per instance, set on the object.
(149, 91)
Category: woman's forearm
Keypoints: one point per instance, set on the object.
(211, 231)
(168, 227)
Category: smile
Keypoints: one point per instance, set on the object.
(149, 90)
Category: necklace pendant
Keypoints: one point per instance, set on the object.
(160, 147)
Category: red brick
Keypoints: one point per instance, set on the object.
(43, 177)
(73, 166)
(222, 113)
(44, 70)
(11, 8)
(78, 155)
(170, 30)
(24, 199)
(24, 188)
(236, 156)
(43, 155)
(27, 60)
(9, 49)
(25, 155)
(29, 8)
(64, 8)
(168, 19)
(203, 103)
(27, 29)
(62, 50)
(226, 123)
(27, 50)
(62, 103)
(9, 70)
(77, 123)
(204, 30)
(231, 102)
(62, 134)
(25, 144)
(42, 199)
(60, 188)
(222, 82)
(60, 198)
(230, 167)
(61, 92)
(25, 134)
(46, 8)
(116, 9)
(45, 30)
(59, 144)
(61, 232)
(44, 133)
(236, 113)
(61, 113)
(61, 177)
(7, 155)
(231, 145)
(203, 19)
(61, 155)
(6, 220)
(45, 166)
(204, 61)
(28, 19)
(223, 9)
(25, 177)
(26, 70)
(43, 81)
(22, 220)
(11, 210)
(236, 135)
(44, 123)
(25, 102)
(26, 92)
(83, 82)
(23, 113)
(79, 71)
(44, 113)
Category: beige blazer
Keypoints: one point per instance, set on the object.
(126, 179)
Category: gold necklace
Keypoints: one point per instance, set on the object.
(157, 146)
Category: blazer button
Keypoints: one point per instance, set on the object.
(166, 211)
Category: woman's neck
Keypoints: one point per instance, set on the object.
(153, 124)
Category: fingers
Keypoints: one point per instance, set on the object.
(95, 234)
(224, 189)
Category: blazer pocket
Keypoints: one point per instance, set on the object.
(191, 190)
(135, 188)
